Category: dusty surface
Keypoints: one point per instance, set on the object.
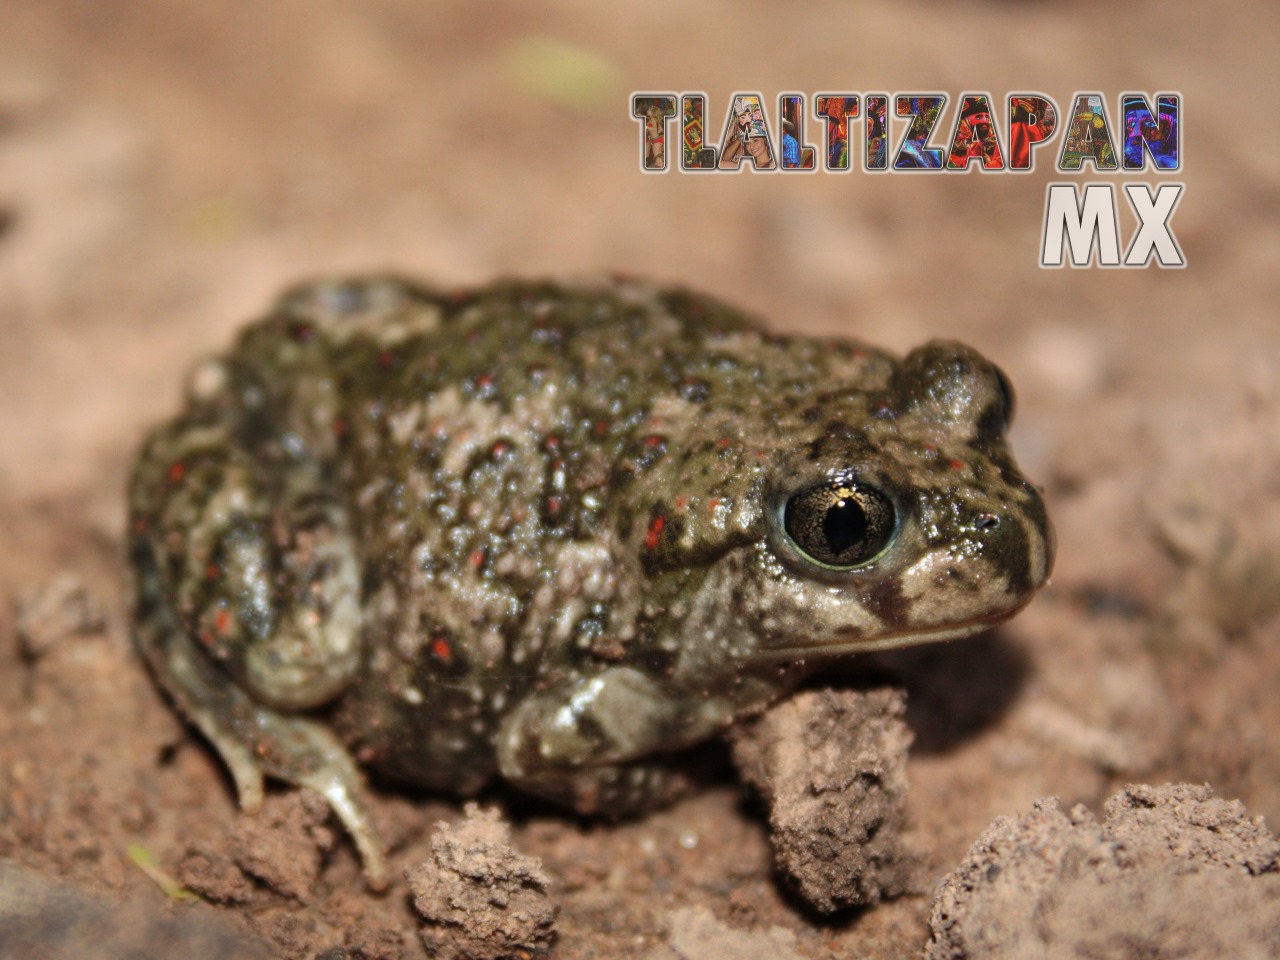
(41, 917)
(165, 169)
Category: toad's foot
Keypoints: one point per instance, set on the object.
(261, 741)
(305, 753)
(254, 740)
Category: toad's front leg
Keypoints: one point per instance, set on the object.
(581, 742)
(247, 598)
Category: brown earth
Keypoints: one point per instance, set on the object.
(166, 168)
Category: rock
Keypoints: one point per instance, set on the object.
(1171, 871)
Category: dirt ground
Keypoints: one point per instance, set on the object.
(165, 169)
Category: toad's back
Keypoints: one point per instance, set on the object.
(510, 464)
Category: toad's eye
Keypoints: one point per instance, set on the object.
(839, 523)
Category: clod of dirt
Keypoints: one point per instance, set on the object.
(58, 611)
(1171, 871)
(1229, 584)
(481, 900)
(215, 876)
(832, 766)
(375, 944)
(284, 844)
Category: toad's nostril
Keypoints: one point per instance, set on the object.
(986, 521)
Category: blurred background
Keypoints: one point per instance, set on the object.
(165, 169)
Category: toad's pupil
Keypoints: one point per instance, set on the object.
(844, 526)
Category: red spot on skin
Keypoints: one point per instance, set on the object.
(712, 504)
(551, 442)
(681, 502)
(653, 440)
(211, 572)
(177, 471)
(930, 449)
(441, 650)
(484, 381)
(955, 464)
(654, 532)
(499, 448)
(222, 622)
(553, 505)
(588, 798)
(601, 427)
(386, 359)
(881, 407)
(723, 443)
(477, 558)
(339, 427)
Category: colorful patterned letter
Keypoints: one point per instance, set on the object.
(975, 137)
(696, 155)
(913, 154)
(836, 110)
(655, 109)
(1159, 133)
(796, 154)
(1032, 120)
(877, 139)
(746, 135)
(1088, 137)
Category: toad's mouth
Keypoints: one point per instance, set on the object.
(886, 641)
